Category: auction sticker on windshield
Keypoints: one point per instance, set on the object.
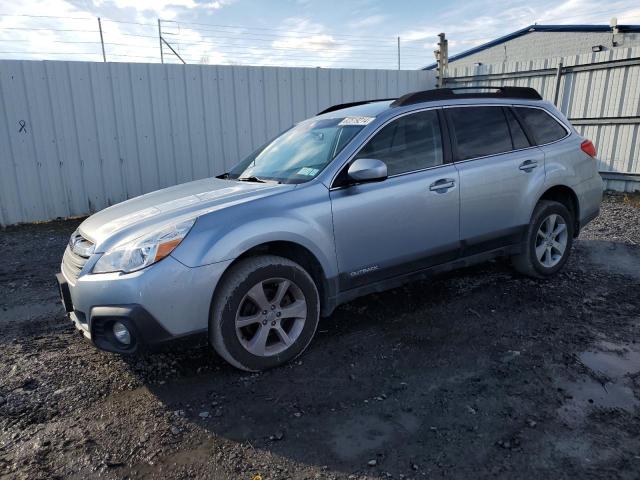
(308, 171)
(356, 121)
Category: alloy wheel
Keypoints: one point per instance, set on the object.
(551, 241)
(271, 317)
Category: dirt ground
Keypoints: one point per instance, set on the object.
(479, 373)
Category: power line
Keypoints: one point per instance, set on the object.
(311, 39)
(133, 56)
(272, 37)
(236, 39)
(155, 37)
(130, 45)
(64, 17)
(154, 25)
(217, 40)
(390, 54)
(273, 29)
(293, 55)
(310, 60)
(260, 49)
(50, 41)
(48, 29)
(51, 53)
(45, 16)
(227, 46)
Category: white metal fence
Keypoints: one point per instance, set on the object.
(598, 92)
(79, 136)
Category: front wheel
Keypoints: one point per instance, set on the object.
(547, 242)
(265, 313)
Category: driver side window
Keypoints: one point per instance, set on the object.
(412, 142)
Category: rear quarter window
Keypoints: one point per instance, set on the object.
(543, 127)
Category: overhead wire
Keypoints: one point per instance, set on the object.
(227, 43)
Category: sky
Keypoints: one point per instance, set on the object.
(312, 33)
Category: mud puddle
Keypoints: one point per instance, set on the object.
(608, 384)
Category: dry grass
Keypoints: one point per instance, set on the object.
(632, 199)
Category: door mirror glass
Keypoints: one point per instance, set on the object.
(367, 170)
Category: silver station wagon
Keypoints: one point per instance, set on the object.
(360, 198)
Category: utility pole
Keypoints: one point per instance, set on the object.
(160, 40)
(398, 53)
(442, 59)
(104, 56)
(614, 31)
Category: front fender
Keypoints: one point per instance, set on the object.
(301, 216)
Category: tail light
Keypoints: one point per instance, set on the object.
(589, 148)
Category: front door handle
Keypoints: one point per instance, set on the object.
(442, 185)
(528, 165)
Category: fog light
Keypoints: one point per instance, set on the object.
(122, 333)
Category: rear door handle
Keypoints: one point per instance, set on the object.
(442, 185)
(528, 165)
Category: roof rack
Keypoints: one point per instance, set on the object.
(340, 106)
(525, 93)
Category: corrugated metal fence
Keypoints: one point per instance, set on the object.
(598, 92)
(79, 136)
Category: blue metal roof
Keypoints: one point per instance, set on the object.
(538, 28)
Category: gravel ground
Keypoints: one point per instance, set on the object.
(479, 373)
(618, 222)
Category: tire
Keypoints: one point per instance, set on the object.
(529, 262)
(239, 329)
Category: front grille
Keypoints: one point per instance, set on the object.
(76, 255)
(72, 263)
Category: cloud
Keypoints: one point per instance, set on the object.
(158, 6)
(309, 36)
(367, 22)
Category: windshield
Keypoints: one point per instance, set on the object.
(299, 154)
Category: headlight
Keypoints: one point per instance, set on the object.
(143, 251)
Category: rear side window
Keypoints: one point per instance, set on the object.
(543, 127)
(479, 131)
(412, 142)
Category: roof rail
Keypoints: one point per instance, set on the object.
(525, 93)
(340, 106)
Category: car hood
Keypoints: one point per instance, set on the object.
(138, 216)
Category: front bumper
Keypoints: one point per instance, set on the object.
(165, 301)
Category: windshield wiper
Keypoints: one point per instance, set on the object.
(251, 179)
(255, 179)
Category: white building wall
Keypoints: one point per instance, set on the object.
(536, 45)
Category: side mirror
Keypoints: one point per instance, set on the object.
(367, 170)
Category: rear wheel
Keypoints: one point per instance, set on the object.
(265, 313)
(547, 242)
